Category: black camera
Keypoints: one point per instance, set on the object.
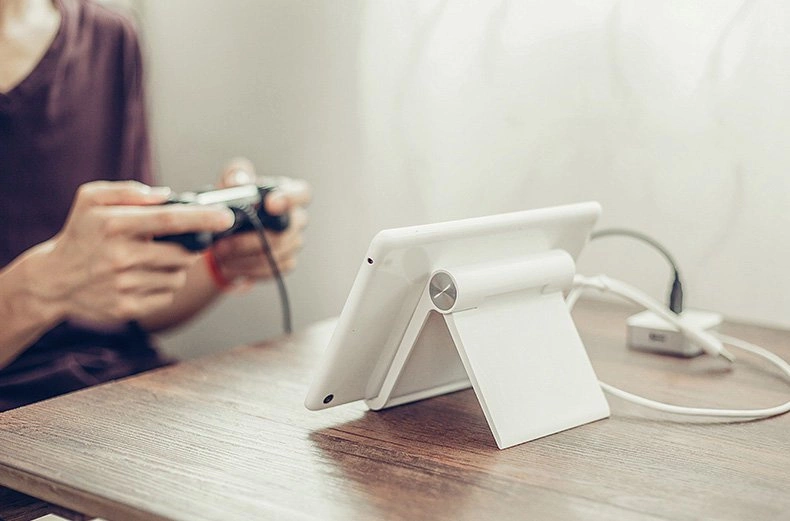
(246, 201)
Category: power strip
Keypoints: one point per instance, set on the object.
(649, 332)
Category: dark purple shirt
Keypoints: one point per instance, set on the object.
(79, 116)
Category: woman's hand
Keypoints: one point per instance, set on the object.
(240, 258)
(105, 267)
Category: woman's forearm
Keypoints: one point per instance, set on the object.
(26, 309)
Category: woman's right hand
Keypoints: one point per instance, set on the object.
(104, 266)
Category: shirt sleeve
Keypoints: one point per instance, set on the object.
(135, 162)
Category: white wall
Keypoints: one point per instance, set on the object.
(674, 115)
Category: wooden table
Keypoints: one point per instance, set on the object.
(226, 437)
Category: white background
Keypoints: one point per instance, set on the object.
(675, 115)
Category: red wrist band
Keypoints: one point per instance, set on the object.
(216, 274)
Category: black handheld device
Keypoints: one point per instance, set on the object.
(241, 199)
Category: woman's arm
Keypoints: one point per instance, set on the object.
(27, 311)
(102, 267)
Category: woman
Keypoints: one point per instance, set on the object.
(82, 284)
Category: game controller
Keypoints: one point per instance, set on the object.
(243, 200)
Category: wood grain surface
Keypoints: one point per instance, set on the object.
(226, 437)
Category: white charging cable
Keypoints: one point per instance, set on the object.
(712, 344)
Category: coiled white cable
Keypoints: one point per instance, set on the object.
(712, 344)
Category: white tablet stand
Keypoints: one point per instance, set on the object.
(505, 329)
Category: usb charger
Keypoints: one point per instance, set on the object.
(646, 331)
(671, 330)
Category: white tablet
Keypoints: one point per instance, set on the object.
(393, 276)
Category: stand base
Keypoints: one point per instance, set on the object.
(518, 349)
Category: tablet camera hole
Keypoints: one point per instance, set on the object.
(328, 398)
(370, 261)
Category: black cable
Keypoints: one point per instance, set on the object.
(267, 250)
(675, 299)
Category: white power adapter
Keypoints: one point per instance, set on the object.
(649, 332)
